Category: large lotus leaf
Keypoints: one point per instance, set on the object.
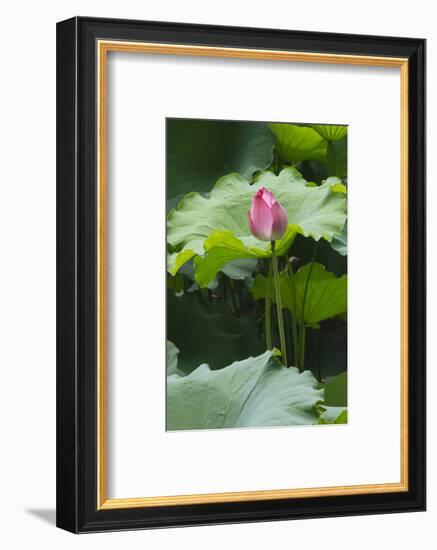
(255, 392)
(336, 391)
(326, 294)
(216, 228)
(336, 159)
(207, 331)
(172, 358)
(240, 270)
(295, 143)
(339, 242)
(334, 408)
(332, 415)
(188, 270)
(223, 247)
(330, 132)
(200, 151)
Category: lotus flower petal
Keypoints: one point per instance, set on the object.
(280, 221)
(267, 218)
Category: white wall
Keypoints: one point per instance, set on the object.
(27, 274)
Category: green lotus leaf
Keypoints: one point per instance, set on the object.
(326, 294)
(223, 247)
(176, 283)
(330, 132)
(255, 392)
(334, 408)
(339, 188)
(200, 151)
(332, 415)
(335, 185)
(295, 143)
(336, 159)
(172, 359)
(176, 260)
(315, 142)
(240, 269)
(339, 242)
(216, 228)
(336, 391)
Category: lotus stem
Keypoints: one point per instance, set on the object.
(279, 306)
(268, 302)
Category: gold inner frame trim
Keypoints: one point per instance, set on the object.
(103, 48)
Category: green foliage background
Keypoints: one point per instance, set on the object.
(219, 370)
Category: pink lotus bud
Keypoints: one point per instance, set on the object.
(267, 218)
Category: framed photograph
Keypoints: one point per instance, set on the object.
(241, 274)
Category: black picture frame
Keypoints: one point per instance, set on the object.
(77, 282)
